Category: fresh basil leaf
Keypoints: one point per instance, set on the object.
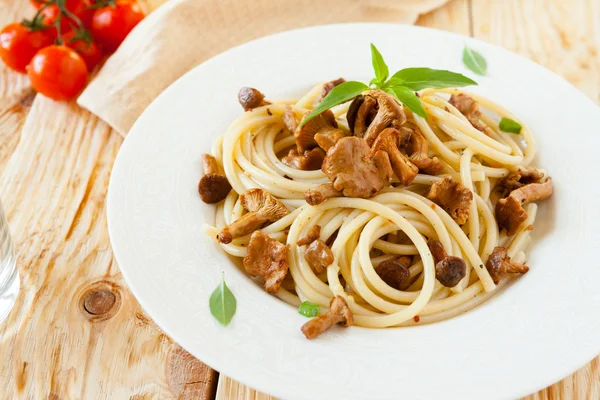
(309, 309)
(338, 95)
(379, 66)
(510, 126)
(222, 303)
(474, 61)
(422, 78)
(408, 98)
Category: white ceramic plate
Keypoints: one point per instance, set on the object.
(539, 330)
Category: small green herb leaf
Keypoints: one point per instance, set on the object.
(408, 98)
(379, 66)
(510, 126)
(421, 78)
(308, 309)
(222, 303)
(338, 95)
(474, 61)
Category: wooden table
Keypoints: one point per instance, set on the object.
(76, 331)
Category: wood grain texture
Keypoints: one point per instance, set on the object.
(76, 331)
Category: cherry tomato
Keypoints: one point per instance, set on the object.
(78, 7)
(90, 52)
(110, 25)
(50, 14)
(18, 45)
(57, 72)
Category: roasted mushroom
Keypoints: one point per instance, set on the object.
(500, 264)
(449, 270)
(213, 186)
(419, 152)
(521, 177)
(327, 87)
(323, 124)
(268, 259)
(339, 313)
(311, 160)
(469, 108)
(355, 170)
(289, 119)
(318, 255)
(389, 113)
(389, 141)
(251, 98)
(360, 114)
(452, 197)
(263, 209)
(510, 213)
(321, 193)
(395, 272)
(311, 236)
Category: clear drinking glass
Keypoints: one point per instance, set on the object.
(9, 276)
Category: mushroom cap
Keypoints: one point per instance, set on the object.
(467, 107)
(289, 119)
(355, 170)
(305, 134)
(453, 197)
(213, 188)
(389, 112)
(311, 160)
(339, 307)
(361, 113)
(419, 152)
(260, 201)
(395, 272)
(251, 98)
(268, 259)
(510, 214)
(389, 140)
(328, 86)
(450, 271)
(318, 255)
(499, 264)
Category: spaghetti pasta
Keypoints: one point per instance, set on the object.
(397, 221)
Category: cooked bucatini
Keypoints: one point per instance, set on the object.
(381, 217)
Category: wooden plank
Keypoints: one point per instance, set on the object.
(76, 331)
(563, 36)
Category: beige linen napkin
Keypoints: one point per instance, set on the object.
(183, 33)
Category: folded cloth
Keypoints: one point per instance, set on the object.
(183, 33)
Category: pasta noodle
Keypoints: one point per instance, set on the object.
(397, 221)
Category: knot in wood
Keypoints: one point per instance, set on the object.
(99, 302)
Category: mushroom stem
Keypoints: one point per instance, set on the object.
(248, 222)
(339, 313)
(209, 164)
(321, 193)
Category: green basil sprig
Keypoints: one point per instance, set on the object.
(401, 85)
(510, 125)
(308, 309)
(222, 303)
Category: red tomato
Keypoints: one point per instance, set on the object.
(110, 25)
(90, 52)
(50, 14)
(18, 45)
(78, 7)
(57, 72)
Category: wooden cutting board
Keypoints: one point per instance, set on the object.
(76, 332)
